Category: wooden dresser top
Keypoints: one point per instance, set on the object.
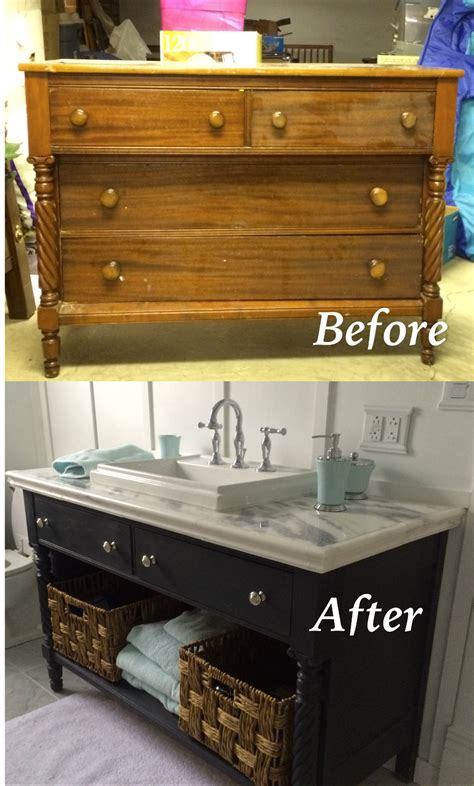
(277, 70)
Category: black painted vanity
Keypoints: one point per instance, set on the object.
(359, 698)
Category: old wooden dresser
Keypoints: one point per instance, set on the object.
(279, 191)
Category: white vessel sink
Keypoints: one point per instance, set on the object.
(192, 480)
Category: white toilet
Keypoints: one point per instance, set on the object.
(22, 620)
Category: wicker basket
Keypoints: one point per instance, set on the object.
(225, 705)
(92, 636)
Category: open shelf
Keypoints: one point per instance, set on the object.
(149, 707)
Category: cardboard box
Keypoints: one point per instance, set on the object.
(451, 221)
(266, 26)
(200, 48)
(51, 36)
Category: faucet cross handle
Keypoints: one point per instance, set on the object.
(214, 426)
(266, 465)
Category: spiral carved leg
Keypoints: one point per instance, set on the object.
(308, 708)
(433, 253)
(43, 578)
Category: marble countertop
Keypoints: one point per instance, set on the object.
(289, 532)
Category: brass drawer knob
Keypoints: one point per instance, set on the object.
(216, 119)
(79, 117)
(279, 120)
(148, 561)
(379, 197)
(109, 546)
(377, 268)
(257, 598)
(112, 271)
(109, 197)
(41, 523)
(408, 119)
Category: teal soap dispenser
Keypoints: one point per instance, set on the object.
(333, 472)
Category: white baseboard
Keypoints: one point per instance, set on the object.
(426, 774)
(457, 764)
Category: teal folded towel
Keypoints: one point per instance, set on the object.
(79, 465)
(150, 675)
(195, 625)
(157, 645)
(168, 704)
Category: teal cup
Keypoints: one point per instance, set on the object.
(169, 445)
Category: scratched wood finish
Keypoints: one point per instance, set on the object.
(348, 120)
(192, 194)
(231, 267)
(155, 118)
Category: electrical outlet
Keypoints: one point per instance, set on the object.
(376, 428)
(386, 429)
(393, 429)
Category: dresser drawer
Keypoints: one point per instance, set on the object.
(172, 268)
(104, 540)
(237, 193)
(145, 117)
(346, 120)
(216, 580)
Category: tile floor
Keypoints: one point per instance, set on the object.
(27, 689)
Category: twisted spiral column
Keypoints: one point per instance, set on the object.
(43, 578)
(308, 707)
(433, 252)
(47, 239)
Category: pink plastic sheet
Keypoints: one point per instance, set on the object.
(203, 14)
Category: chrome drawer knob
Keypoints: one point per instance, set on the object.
(109, 198)
(112, 271)
(379, 196)
(41, 523)
(79, 118)
(279, 120)
(148, 561)
(408, 120)
(109, 546)
(216, 119)
(257, 598)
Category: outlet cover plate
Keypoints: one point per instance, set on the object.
(395, 429)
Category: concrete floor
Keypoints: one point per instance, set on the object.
(27, 689)
(243, 350)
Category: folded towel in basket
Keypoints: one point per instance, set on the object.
(195, 625)
(152, 678)
(168, 704)
(157, 645)
(79, 465)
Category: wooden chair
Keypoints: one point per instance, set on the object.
(18, 288)
(310, 53)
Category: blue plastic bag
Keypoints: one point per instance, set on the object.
(450, 44)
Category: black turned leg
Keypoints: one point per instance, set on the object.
(405, 764)
(308, 706)
(43, 578)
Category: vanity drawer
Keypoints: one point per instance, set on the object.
(172, 268)
(84, 533)
(216, 580)
(145, 117)
(343, 120)
(235, 193)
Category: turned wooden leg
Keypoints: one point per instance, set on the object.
(308, 707)
(433, 252)
(51, 344)
(47, 242)
(43, 578)
(405, 764)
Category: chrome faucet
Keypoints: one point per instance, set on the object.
(239, 439)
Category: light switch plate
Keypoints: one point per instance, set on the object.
(385, 429)
(458, 396)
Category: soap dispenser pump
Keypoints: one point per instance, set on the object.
(333, 471)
